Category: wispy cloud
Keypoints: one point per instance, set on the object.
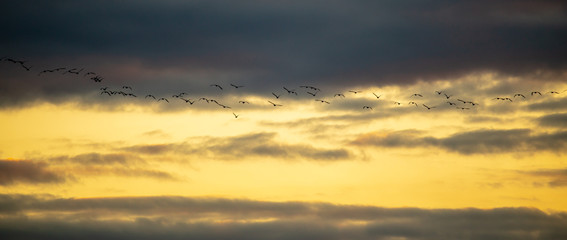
(473, 142)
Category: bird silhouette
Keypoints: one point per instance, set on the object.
(322, 101)
(188, 101)
(451, 103)
(535, 92)
(439, 92)
(275, 95)
(243, 102)
(236, 86)
(290, 91)
(416, 95)
(366, 107)
(235, 116)
(339, 95)
(127, 87)
(428, 107)
(164, 99)
(377, 96)
(447, 96)
(519, 95)
(151, 96)
(312, 94)
(397, 103)
(216, 85)
(355, 92)
(414, 103)
(275, 104)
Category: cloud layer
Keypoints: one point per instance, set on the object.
(217, 218)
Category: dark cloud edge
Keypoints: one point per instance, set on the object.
(176, 217)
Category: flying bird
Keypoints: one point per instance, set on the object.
(463, 108)
(553, 92)
(290, 91)
(151, 96)
(428, 107)
(451, 103)
(416, 95)
(355, 92)
(447, 96)
(275, 104)
(519, 95)
(322, 101)
(188, 101)
(366, 107)
(312, 94)
(439, 92)
(535, 92)
(236, 86)
(397, 103)
(377, 96)
(339, 95)
(164, 99)
(235, 116)
(216, 85)
(275, 95)
(243, 102)
(414, 103)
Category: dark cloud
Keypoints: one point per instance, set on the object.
(554, 120)
(256, 145)
(168, 45)
(25, 171)
(472, 142)
(98, 159)
(217, 218)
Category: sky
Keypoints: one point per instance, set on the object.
(283, 120)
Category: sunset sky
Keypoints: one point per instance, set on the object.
(284, 119)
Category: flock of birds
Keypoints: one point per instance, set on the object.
(127, 91)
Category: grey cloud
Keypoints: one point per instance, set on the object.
(258, 145)
(473, 142)
(554, 120)
(25, 171)
(197, 218)
(264, 45)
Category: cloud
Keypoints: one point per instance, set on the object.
(188, 45)
(25, 171)
(255, 145)
(554, 120)
(473, 142)
(556, 177)
(174, 217)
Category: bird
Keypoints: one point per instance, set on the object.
(451, 103)
(126, 87)
(535, 92)
(439, 92)
(377, 96)
(97, 79)
(322, 101)
(366, 107)
(235, 116)
(553, 92)
(428, 107)
(310, 87)
(107, 92)
(176, 96)
(463, 108)
(290, 91)
(131, 95)
(414, 103)
(275, 104)
(355, 92)
(103, 88)
(89, 73)
(416, 95)
(339, 95)
(150, 96)
(216, 85)
(461, 100)
(519, 95)
(312, 94)
(275, 95)
(397, 103)
(74, 71)
(472, 103)
(503, 99)
(164, 99)
(447, 96)
(205, 99)
(188, 101)
(236, 86)
(243, 102)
